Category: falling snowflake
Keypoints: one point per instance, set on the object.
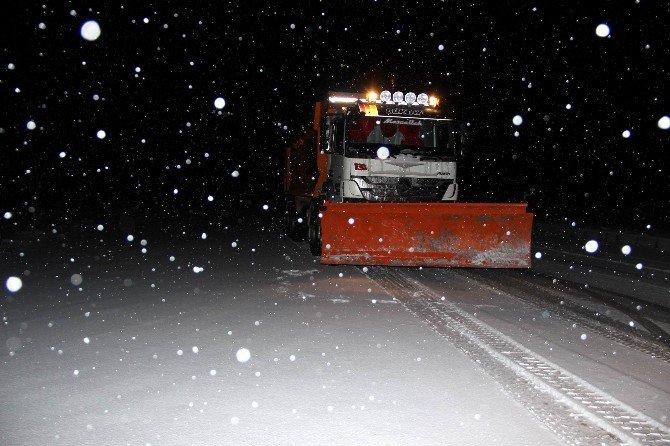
(90, 30)
(243, 355)
(13, 284)
(591, 246)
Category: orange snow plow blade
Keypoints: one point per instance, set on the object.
(474, 235)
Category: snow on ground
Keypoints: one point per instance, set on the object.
(143, 350)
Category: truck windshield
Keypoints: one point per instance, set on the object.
(423, 137)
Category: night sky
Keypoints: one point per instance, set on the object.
(151, 78)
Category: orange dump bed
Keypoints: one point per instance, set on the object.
(477, 235)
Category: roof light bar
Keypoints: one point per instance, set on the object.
(342, 99)
(385, 96)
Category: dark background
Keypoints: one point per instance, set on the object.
(272, 61)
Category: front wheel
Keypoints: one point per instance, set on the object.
(314, 232)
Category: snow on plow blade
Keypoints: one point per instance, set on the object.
(476, 235)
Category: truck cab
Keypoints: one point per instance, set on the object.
(389, 152)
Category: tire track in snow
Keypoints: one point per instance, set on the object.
(563, 307)
(576, 411)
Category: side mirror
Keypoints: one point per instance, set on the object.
(326, 142)
(463, 141)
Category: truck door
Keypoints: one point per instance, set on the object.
(334, 144)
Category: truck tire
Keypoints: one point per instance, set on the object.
(294, 230)
(314, 231)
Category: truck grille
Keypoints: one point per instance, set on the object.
(405, 189)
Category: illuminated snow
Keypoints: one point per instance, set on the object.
(583, 337)
(32, 126)
(13, 284)
(440, 47)
(235, 174)
(90, 30)
(203, 235)
(664, 123)
(383, 153)
(538, 255)
(351, 221)
(76, 279)
(517, 120)
(243, 355)
(602, 30)
(8, 215)
(130, 237)
(101, 134)
(638, 266)
(210, 198)
(219, 103)
(591, 246)
(626, 134)
(100, 227)
(62, 155)
(626, 250)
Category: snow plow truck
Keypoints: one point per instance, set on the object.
(373, 182)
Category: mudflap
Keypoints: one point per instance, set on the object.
(472, 235)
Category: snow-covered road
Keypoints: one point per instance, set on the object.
(145, 350)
